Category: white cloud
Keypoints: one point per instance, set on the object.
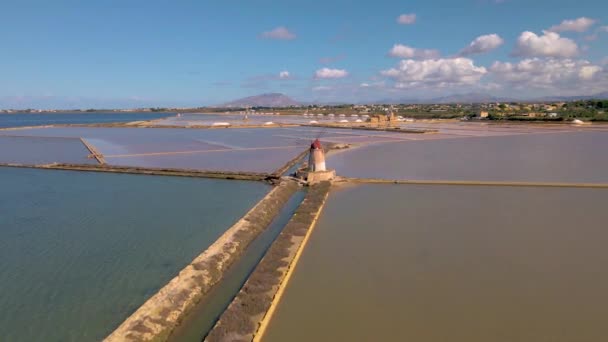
(406, 19)
(576, 76)
(577, 25)
(435, 73)
(482, 44)
(281, 33)
(596, 34)
(550, 44)
(404, 51)
(330, 73)
(284, 75)
(321, 88)
(377, 85)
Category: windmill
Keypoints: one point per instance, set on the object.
(317, 170)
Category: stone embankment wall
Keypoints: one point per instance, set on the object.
(253, 176)
(473, 183)
(158, 316)
(250, 309)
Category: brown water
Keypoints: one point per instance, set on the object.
(447, 263)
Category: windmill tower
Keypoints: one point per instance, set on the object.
(317, 171)
(316, 157)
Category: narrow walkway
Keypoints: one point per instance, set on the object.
(475, 183)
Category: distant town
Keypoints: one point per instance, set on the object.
(586, 110)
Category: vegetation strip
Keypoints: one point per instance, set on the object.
(252, 176)
(477, 183)
(159, 315)
(253, 305)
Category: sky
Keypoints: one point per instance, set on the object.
(127, 53)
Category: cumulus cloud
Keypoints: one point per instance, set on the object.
(551, 73)
(404, 51)
(595, 35)
(321, 88)
(280, 33)
(284, 75)
(482, 44)
(550, 44)
(379, 84)
(435, 73)
(326, 73)
(577, 25)
(406, 19)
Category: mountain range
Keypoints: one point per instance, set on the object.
(263, 100)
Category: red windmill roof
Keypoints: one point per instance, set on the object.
(316, 144)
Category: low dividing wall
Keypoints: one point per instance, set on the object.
(253, 176)
(159, 315)
(474, 183)
(249, 313)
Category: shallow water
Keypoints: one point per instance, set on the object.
(81, 251)
(450, 263)
(22, 119)
(551, 157)
(42, 150)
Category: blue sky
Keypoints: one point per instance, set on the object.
(188, 53)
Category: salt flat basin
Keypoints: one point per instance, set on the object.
(59, 118)
(43, 150)
(551, 157)
(247, 149)
(219, 150)
(81, 251)
(451, 263)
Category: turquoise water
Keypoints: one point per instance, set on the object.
(20, 120)
(82, 251)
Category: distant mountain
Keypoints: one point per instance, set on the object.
(263, 100)
(597, 96)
